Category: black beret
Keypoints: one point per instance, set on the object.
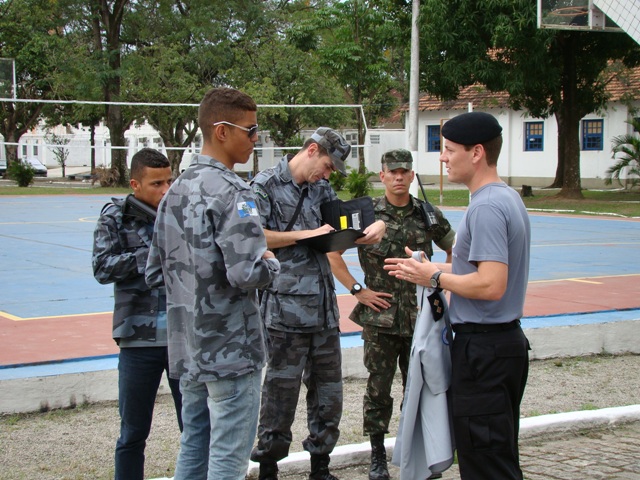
(471, 128)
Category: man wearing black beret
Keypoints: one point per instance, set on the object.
(487, 280)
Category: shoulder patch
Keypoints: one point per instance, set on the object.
(258, 190)
(247, 209)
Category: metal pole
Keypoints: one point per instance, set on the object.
(414, 91)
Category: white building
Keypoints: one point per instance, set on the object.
(529, 153)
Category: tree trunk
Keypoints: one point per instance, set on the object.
(568, 117)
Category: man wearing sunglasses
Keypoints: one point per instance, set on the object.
(300, 308)
(210, 248)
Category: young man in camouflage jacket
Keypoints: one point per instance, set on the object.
(121, 245)
(210, 248)
(386, 308)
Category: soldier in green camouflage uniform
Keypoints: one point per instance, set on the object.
(210, 248)
(300, 307)
(386, 308)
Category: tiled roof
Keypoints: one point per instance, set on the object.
(476, 94)
(624, 84)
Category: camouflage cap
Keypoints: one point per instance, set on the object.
(335, 145)
(399, 158)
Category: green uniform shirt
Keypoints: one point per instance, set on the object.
(405, 227)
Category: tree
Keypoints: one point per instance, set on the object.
(107, 18)
(497, 43)
(626, 149)
(354, 42)
(34, 45)
(59, 150)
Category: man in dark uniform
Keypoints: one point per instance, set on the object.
(386, 308)
(488, 281)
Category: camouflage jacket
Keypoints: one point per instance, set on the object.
(120, 250)
(302, 298)
(208, 246)
(405, 227)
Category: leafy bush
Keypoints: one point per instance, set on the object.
(358, 183)
(22, 173)
(106, 177)
(337, 181)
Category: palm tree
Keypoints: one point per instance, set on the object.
(626, 149)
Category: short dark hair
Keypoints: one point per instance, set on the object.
(492, 149)
(323, 151)
(223, 104)
(147, 157)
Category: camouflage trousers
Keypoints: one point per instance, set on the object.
(382, 353)
(314, 359)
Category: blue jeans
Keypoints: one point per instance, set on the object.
(139, 374)
(220, 422)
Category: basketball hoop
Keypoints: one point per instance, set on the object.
(569, 11)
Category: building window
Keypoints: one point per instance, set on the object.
(375, 139)
(258, 150)
(592, 134)
(24, 150)
(533, 141)
(35, 150)
(433, 138)
(637, 121)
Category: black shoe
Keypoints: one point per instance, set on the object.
(320, 468)
(378, 470)
(268, 471)
(434, 476)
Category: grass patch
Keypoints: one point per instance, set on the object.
(596, 202)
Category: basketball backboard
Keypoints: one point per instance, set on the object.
(574, 15)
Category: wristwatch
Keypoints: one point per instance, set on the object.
(357, 288)
(435, 279)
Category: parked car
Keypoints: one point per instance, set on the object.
(3, 168)
(39, 168)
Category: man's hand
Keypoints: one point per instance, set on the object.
(326, 228)
(268, 254)
(373, 233)
(411, 270)
(374, 300)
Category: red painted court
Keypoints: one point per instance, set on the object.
(46, 339)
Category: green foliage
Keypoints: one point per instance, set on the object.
(337, 181)
(496, 43)
(358, 183)
(20, 172)
(626, 149)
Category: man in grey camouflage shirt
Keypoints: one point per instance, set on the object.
(386, 308)
(210, 248)
(300, 307)
(121, 245)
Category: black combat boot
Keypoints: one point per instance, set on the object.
(378, 470)
(320, 468)
(268, 471)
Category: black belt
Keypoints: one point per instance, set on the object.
(480, 328)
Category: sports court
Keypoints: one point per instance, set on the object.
(583, 269)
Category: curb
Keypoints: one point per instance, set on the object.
(547, 425)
